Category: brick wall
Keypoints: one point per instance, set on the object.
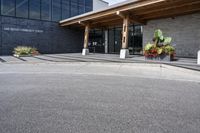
(48, 37)
(185, 31)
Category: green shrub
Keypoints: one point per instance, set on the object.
(24, 50)
(169, 49)
(148, 47)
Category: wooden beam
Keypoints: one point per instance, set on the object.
(81, 23)
(86, 36)
(132, 18)
(107, 20)
(164, 6)
(108, 24)
(112, 11)
(125, 32)
(178, 10)
(139, 12)
(136, 19)
(120, 14)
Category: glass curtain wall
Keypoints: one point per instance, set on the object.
(74, 7)
(22, 8)
(81, 6)
(46, 10)
(65, 9)
(115, 40)
(8, 7)
(56, 10)
(49, 10)
(88, 5)
(135, 40)
(34, 9)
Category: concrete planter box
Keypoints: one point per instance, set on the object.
(160, 58)
(198, 58)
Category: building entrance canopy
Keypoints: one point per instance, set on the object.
(132, 11)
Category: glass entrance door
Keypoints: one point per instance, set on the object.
(135, 40)
(118, 39)
(115, 40)
(96, 41)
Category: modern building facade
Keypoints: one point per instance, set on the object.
(58, 26)
(35, 23)
(178, 19)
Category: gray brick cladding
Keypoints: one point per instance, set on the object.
(48, 37)
(185, 31)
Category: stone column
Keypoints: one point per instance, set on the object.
(198, 58)
(106, 41)
(124, 53)
(86, 40)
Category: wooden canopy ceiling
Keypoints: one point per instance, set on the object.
(140, 11)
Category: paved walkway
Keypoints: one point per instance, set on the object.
(188, 63)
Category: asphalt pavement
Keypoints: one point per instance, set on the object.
(98, 98)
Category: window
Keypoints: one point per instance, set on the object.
(88, 5)
(56, 10)
(34, 9)
(74, 8)
(81, 6)
(22, 8)
(65, 9)
(46, 9)
(8, 7)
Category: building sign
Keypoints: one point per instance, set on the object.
(23, 30)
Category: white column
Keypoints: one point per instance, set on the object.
(198, 58)
(106, 41)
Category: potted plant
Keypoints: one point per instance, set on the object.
(161, 48)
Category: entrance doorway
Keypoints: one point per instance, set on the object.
(135, 40)
(96, 41)
(112, 45)
(114, 40)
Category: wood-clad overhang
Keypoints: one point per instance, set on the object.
(139, 11)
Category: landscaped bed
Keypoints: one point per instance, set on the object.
(24, 51)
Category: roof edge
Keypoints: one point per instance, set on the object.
(102, 10)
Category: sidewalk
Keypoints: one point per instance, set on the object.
(188, 63)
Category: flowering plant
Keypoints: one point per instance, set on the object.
(25, 50)
(161, 45)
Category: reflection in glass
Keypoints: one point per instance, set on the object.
(56, 10)
(46, 9)
(8, 7)
(74, 8)
(65, 9)
(22, 8)
(88, 5)
(81, 6)
(34, 9)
